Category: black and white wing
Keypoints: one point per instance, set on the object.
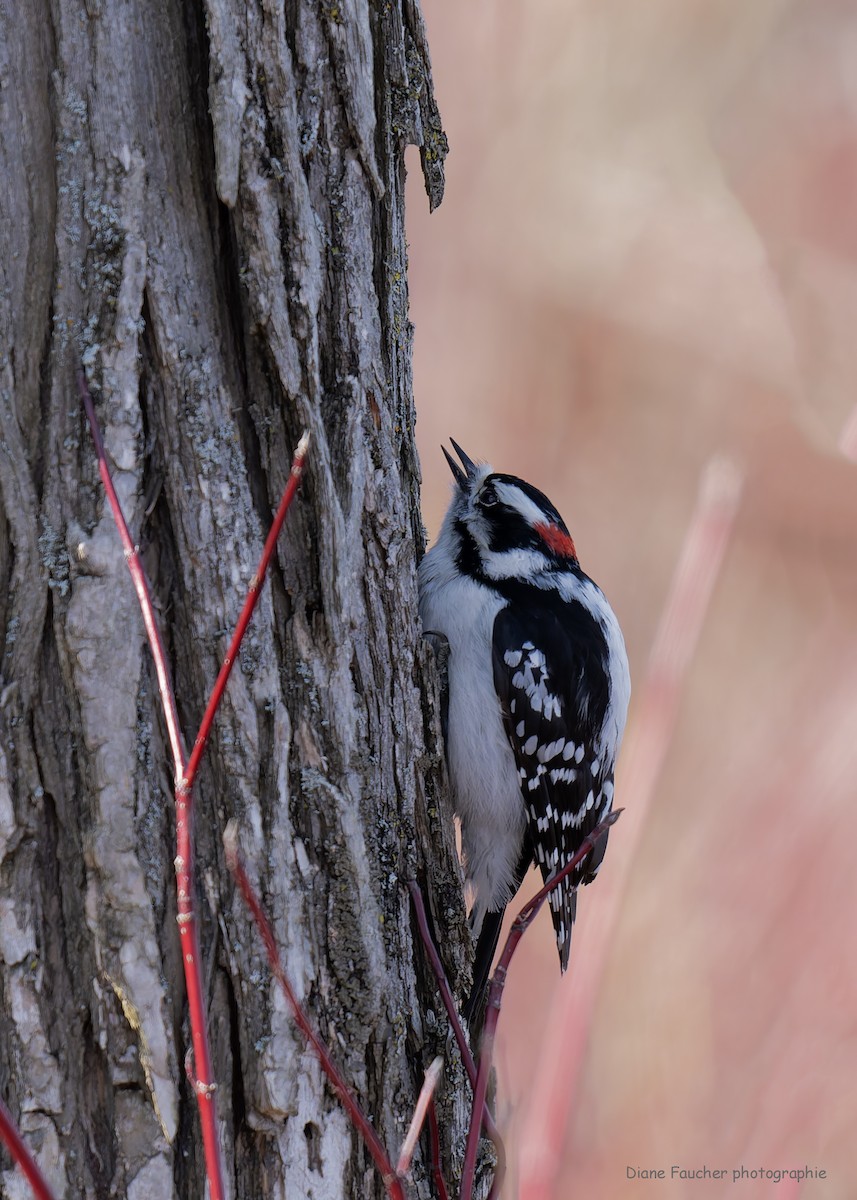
(551, 676)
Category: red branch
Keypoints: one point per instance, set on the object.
(246, 613)
(458, 1032)
(14, 1143)
(442, 981)
(436, 1167)
(495, 995)
(351, 1104)
(141, 587)
(204, 1084)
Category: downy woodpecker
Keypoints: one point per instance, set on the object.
(538, 695)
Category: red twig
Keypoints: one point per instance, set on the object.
(185, 772)
(442, 981)
(204, 1084)
(424, 1100)
(14, 1143)
(358, 1117)
(141, 587)
(246, 613)
(455, 1022)
(436, 1168)
(495, 994)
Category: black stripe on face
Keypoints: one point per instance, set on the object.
(467, 559)
(506, 530)
(510, 531)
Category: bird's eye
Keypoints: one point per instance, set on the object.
(488, 498)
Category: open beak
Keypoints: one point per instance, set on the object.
(462, 479)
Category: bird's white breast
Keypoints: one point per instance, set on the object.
(482, 766)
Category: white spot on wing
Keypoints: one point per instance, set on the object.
(563, 775)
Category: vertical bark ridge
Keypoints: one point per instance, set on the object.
(206, 207)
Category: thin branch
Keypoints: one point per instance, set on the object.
(204, 1084)
(424, 1100)
(14, 1143)
(141, 587)
(436, 1168)
(455, 1023)
(495, 996)
(298, 463)
(349, 1100)
(442, 981)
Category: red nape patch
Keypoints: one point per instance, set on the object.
(556, 539)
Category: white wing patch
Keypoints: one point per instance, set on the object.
(533, 681)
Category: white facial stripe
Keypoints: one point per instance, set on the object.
(513, 497)
(509, 564)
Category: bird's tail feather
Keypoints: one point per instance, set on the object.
(486, 947)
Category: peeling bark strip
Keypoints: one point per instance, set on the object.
(203, 203)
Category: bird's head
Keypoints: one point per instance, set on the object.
(500, 526)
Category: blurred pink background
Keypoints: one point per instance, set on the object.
(646, 259)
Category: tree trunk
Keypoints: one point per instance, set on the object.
(203, 204)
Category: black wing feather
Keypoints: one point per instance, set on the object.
(553, 691)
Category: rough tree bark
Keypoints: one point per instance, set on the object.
(203, 203)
